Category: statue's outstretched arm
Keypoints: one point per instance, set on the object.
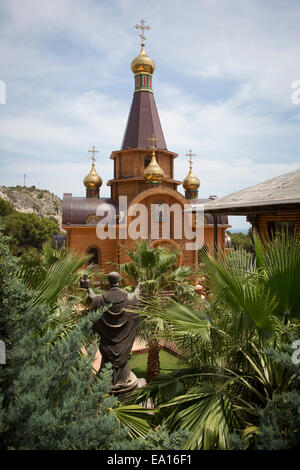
(85, 283)
(135, 297)
(91, 293)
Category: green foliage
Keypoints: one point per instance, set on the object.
(49, 395)
(134, 418)
(30, 258)
(157, 269)
(279, 425)
(51, 400)
(28, 230)
(279, 264)
(157, 439)
(54, 279)
(241, 241)
(279, 421)
(233, 343)
(6, 208)
(207, 412)
(262, 289)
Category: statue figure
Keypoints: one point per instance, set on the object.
(117, 329)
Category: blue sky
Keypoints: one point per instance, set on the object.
(224, 72)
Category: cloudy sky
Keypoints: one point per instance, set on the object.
(223, 87)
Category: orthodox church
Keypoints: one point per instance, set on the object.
(143, 174)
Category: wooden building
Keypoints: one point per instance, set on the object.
(143, 172)
(271, 206)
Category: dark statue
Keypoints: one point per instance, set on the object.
(117, 329)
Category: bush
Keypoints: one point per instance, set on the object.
(279, 426)
(28, 230)
(6, 208)
(240, 240)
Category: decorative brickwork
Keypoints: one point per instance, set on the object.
(153, 184)
(92, 193)
(189, 194)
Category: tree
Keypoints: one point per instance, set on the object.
(241, 241)
(279, 420)
(6, 208)
(157, 269)
(28, 231)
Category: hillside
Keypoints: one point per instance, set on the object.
(31, 199)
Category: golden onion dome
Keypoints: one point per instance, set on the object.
(153, 172)
(92, 180)
(143, 63)
(191, 182)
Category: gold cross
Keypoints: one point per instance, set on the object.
(93, 152)
(142, 27)
(153, 140)
(190, 154)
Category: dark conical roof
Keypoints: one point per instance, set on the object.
(143, 121)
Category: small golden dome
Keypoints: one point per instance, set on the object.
(92, 180)
(153, 172)
(191, 182)
(143, 63)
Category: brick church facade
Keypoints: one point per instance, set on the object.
(143, 173)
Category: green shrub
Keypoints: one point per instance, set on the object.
(6, 208)
(28, 231)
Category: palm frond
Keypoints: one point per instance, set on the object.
(242, 292)
(280, 261)
(134, 418)
(207, 414)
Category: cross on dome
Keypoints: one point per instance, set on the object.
(153, 140)
(142, 27)
(190, 154)
(93, 151)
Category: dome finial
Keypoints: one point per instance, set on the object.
(191, 182)
(142, 63)
(92, 181)
(190, 154)
(93, 151)
(153, 140)
(153, 173)
(142, 27)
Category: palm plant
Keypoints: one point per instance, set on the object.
(225, 341)
(157, 269)
(55, 281)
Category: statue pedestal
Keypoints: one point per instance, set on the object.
(122, 390)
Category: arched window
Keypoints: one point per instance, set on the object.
(147, 160)
(92, 219)
(95, 258)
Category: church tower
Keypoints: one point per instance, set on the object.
(143, 171)
(143, 122)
